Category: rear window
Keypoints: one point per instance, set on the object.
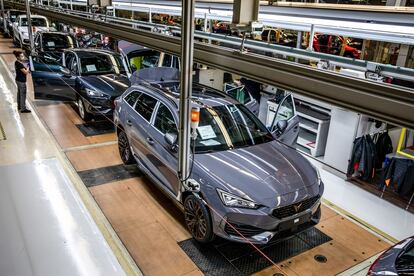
(57, 41)
(405, 262)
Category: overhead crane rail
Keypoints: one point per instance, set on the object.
(389, 103)
(395, 26)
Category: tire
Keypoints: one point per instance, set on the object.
(198, 219)
(85, 115)
(125, 149)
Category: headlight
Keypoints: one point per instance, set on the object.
(235, 201)
(94, 93)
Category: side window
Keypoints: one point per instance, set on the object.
(68, 59)
(272, 36)
(164, 121)
(74, 65)
(145, 106)
(285, 110)
(132, 97)
(167, 62)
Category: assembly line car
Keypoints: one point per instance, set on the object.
(92, 78)
(252, 187)
(397, 260)
(21, 31)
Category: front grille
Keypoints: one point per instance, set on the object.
(245, 230)
(290, 210)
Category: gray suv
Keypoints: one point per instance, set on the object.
(252, 187)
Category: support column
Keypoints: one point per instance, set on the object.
(4, 17)
(149, 15)
(311, 35)
(186, 78)
(29, 25)
(403, 55)
(245, 11)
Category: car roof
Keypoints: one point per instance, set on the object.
(57, 33)
(33, 16)
(201, 95)
(89, 51)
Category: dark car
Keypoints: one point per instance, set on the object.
(251, 186)
(90, 77)
(398, 260)
(50, 45)
(11, 17)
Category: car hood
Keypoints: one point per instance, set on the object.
(110, 84)
(270, 173)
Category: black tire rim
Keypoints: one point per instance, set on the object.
(123, 146)
(195, 219)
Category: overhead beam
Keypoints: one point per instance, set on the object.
(382, 101)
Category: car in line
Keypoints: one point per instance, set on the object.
(49, 46)
(251, 187)
(21, 31)
(11, 17)
(332, 44)
(397, 260)
(92, 78)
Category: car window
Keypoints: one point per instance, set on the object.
(68, 59)
(164, 120)
(240, 94)
(132, 97)
(57, 41)
(73, 65)
(229, 126)
(405, 261)
(285, 110)
(145, 106)
(36, 22)
(98, 64)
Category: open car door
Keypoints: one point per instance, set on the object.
(285, 124)
(52, 81)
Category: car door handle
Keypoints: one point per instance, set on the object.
(128, 122)
(150, 141)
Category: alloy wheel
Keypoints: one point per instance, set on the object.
(124, 149)
(81, 108)
(195, 219)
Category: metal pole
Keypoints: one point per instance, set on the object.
(298, 42)
(4, 17)
(186, 78)
(205, 22)
(29, 26)
(311, 35)
(149, 15)
(71, 5)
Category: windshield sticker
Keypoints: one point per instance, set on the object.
(206, 132)
(210, 142)
(90, 67)
(51, 43)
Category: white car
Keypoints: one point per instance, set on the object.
(21, 32)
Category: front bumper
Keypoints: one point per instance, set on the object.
(261, 225)
(100, 106)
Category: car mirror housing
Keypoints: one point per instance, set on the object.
(65, 71)
(280, 127)
(171, 139)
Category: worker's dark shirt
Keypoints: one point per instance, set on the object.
(20, 76)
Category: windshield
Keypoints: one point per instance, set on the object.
(36, 22)
(57, 41)
(99, 64)
(228, 127)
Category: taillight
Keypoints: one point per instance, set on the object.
(375, 263)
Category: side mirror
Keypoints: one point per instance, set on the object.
(280, 127)
(171, 139)
(65, 72)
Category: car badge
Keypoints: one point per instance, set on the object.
(297, 207)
